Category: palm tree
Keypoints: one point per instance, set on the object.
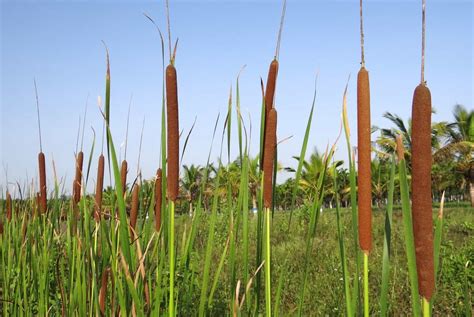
(380, 180)
(387, 139)
(459, 146)
(312, 168)
(191, 183)
(451, 142)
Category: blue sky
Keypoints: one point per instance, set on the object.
(59, 44)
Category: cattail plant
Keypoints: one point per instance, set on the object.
(78, 178)
(173, 132)
(41, 163)
(364, 179)
(268, 104)
(270, 148)
(421, 183)
(99, 187)
(123, 175)
(173, 155)
(103, 290)
(8, 206)
(134, 208)
(158, 199)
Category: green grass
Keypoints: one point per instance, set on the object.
(325, 291)
(37, 281)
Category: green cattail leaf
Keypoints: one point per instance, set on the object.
(302, 154)
(387, 254)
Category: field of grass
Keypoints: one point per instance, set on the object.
(187, 242)
(324, 293)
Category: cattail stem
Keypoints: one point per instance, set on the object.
(84, 123)
(366, 284)
(268, 298)
(126, 130)
(158, 199)
(38, 113)
(99, 188)
(169, 30)
(426, 307)
(362, 55)
(171, 258)
(280, 30)
(78, 133)
(423, 27)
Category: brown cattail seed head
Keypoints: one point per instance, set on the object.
(134, 209)
(99, 188)
(364, 180)
(123, 175)
(173, 132)
(76, 188)
(270, 145)
(269, 98)
(103, 290)
(42, 177)
(400, 148)
(271, 85)
(9, 206)
(158, 199)
(421, 190)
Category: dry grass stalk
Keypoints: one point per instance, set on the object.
(158, 199)
(400, 148)
(134, 209)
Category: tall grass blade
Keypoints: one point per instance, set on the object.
(408, 236)
(302, 155)
(387, 251)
